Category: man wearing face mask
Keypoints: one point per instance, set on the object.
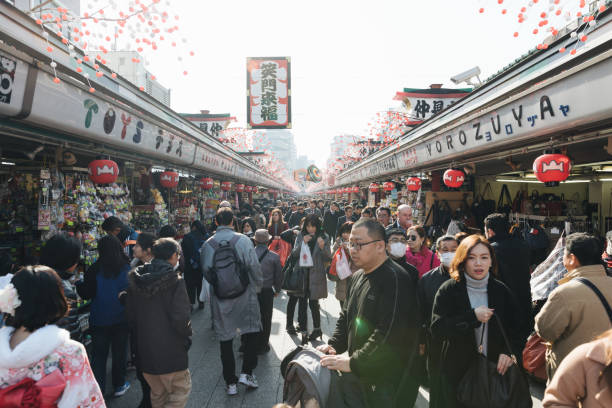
(396, 248)
(426, 290)
(159, 310)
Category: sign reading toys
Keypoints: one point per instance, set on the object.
(269, 93)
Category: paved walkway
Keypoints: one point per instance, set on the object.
(205, 364)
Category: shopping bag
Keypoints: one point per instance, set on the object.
(205, 292)
(546, 275)
(282, 248)
(305, 256)
(534, 357)
(343, 270)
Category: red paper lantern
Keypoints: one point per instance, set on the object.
(248, 189)
(356, 189)
(239, 188)
(374, 188)
(413, 184)
(388, 186)
(551, 168)
(206, 183)
(453, 178)
(169, 179)
(226, 185)
(103, 171)
(255, 189)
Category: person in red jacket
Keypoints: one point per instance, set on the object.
(277, 224)
(417, 254)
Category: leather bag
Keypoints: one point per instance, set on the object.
(293, 278)
(482, 386)
(534, 357)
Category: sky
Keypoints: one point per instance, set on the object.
(348, 57)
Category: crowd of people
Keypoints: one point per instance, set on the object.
(413, 312)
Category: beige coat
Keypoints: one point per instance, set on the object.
(577, 379)
(573, 315)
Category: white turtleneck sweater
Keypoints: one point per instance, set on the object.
(477, 292)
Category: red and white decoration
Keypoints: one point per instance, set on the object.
(374, 188)
(413, 184)
(248, 189)
(454, 178)
(169, 179)
(206, 183)
(239, 188)
(355, 190)
(103, 171)
(388, 186)
(552, 168)
(226, 185)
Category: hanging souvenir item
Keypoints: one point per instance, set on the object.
(454, 178)
(103, 171)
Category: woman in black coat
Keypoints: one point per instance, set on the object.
(472, 297)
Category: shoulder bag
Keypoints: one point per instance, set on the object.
(483, 386)
(600, 295)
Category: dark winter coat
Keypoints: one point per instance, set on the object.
(378, 326)
(295, 218)
(330, 222)
(189, 246)
(513, 269)
(159, 310)
(453, 321)
(106, 310)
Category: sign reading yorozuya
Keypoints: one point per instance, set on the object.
(507, 122)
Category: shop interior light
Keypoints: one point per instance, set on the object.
(6, 163)
(517, 180)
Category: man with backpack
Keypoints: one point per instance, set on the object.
(191, 245)
(230, 265)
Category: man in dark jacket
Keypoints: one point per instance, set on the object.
(272, 280)
(191, 245)
(348, 216)
(512, 256)
(378, 325)
(330, 220)
(426, 289)
(296, 217)
(158, 308)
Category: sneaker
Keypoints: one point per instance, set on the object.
(248, 380)
(231, 389)
(119, 391)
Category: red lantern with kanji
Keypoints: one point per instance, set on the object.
(453, 178)
(169, 179)
(255, 189)
(206, 183)
(226, 185)
(388, 186)
(103, 171)
(239, 188)
(248, 189)
(355, 189)
(551, 168)
(413, 184)
(374, 188)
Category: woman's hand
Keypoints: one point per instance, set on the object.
(504, 363)
(307, 238)
(483, 313)
(321, 242)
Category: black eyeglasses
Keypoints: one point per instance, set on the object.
(358, 247)
(412, 237)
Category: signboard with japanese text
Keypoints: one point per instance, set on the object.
(269, 93)
(422, 104)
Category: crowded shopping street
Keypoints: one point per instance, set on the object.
(271, 204)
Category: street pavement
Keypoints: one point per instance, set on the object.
(208, 387)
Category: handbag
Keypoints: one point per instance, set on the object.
(483, 206)
(293, 278)
(504, 204)
(534, 357)
(482, 386)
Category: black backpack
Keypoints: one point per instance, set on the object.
(229, 275)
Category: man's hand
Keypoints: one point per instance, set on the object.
(339, 363)
(327, 349)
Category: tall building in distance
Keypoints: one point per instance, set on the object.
(122, 62)
(281, 143)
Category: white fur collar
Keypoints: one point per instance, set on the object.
(37, 346)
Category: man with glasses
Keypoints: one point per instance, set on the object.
(383, 214)
(396, 248)
(378, 327)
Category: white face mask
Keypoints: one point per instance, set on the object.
(397, 249)
(175, 267)
(446, 258)
(609, 248)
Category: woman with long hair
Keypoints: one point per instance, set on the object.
(418, 254)
(277, 223)
(103, 282)
(248, 227)
(467, 314)
(315, 286)
(584, 377)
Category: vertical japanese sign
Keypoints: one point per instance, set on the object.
(269, 93)
(422, 104)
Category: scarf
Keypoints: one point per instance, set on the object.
(477, 292)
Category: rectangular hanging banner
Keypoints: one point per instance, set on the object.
(269, 93)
